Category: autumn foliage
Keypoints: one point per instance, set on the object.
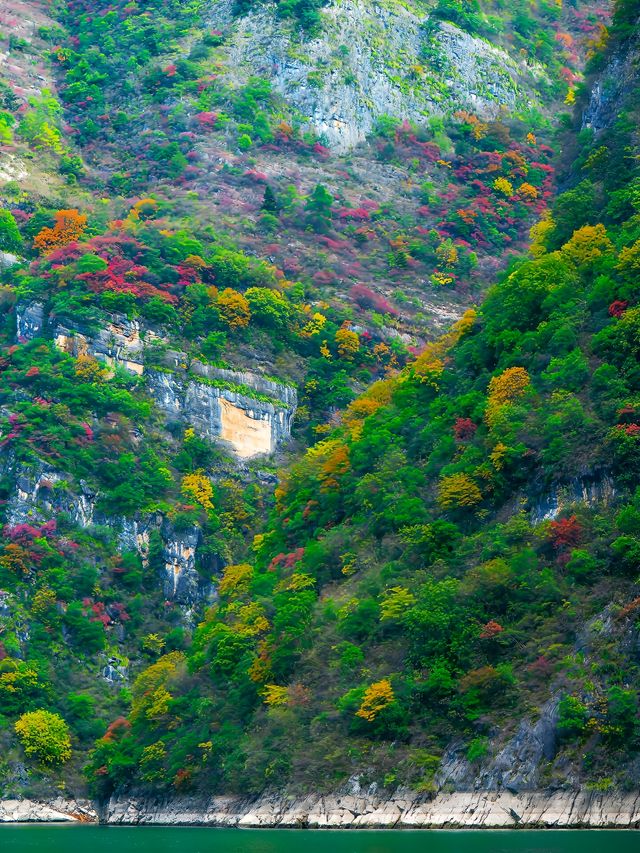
(69, 227)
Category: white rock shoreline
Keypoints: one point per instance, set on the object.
(405, 810)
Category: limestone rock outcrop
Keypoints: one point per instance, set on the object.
(368, 809)
(370, 60)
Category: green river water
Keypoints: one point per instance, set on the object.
(93, 839)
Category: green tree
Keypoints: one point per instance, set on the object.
(318, 209)
(270, 203)
(10, 239)
(45, 736)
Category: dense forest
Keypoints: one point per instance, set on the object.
(447, 540)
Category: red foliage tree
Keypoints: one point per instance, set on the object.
(566, 533)
(464, 429)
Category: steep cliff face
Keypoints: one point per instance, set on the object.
(117, 344)
(249, 426)
(373, 59)
(43, 493)
(610, 88)
(248, 414)
(251, 414)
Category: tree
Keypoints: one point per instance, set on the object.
(69, 226)
(45, 736)
(504, 389)
(503, 186)
(508, 386)
(588, 244)
(348, 343)
(236, 580)
(234, 308)
(269, 307)
(377, 697)
(397, 600)
(572, 210)
(458, 490)
(198, 487)
(270, 203)
(318, 209)
(10, 239)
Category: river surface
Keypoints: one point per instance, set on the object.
(27, 838)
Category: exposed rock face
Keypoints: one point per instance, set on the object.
(55, 811)
(371, 59)
(119, 343)
(181, 582)
(250, 426)
(199, 397)
(517, 765)
(40, 495)
(30, 320)
(368, 809)
(590, 491)
(611, 86)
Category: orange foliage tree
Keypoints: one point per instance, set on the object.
(69, 226)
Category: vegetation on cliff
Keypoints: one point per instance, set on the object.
(454, 538)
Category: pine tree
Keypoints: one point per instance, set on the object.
(270, 203)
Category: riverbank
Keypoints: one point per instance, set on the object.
(361, 810)
(58, 810)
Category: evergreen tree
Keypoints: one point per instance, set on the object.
(318, 209)
(270, 202)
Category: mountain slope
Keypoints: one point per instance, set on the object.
(460, 554)
(441, 591)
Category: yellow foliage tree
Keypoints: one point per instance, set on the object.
(274, 694)
(504, 389)
(89, 369)
(377, 697)
(250, 619)
(45, 736)
(150, 689)
(296, 582)
(629, 258)
(236, 579)
(198, 487)
(397, 600)
(314, 326)
(509, 385)
(348, 343)
(335, 464)
(538, 235)
(234, 308)
(503, 186)
(458, 490)
(587, 245)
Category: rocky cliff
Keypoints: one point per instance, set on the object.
(372, 59)
(251, 414)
